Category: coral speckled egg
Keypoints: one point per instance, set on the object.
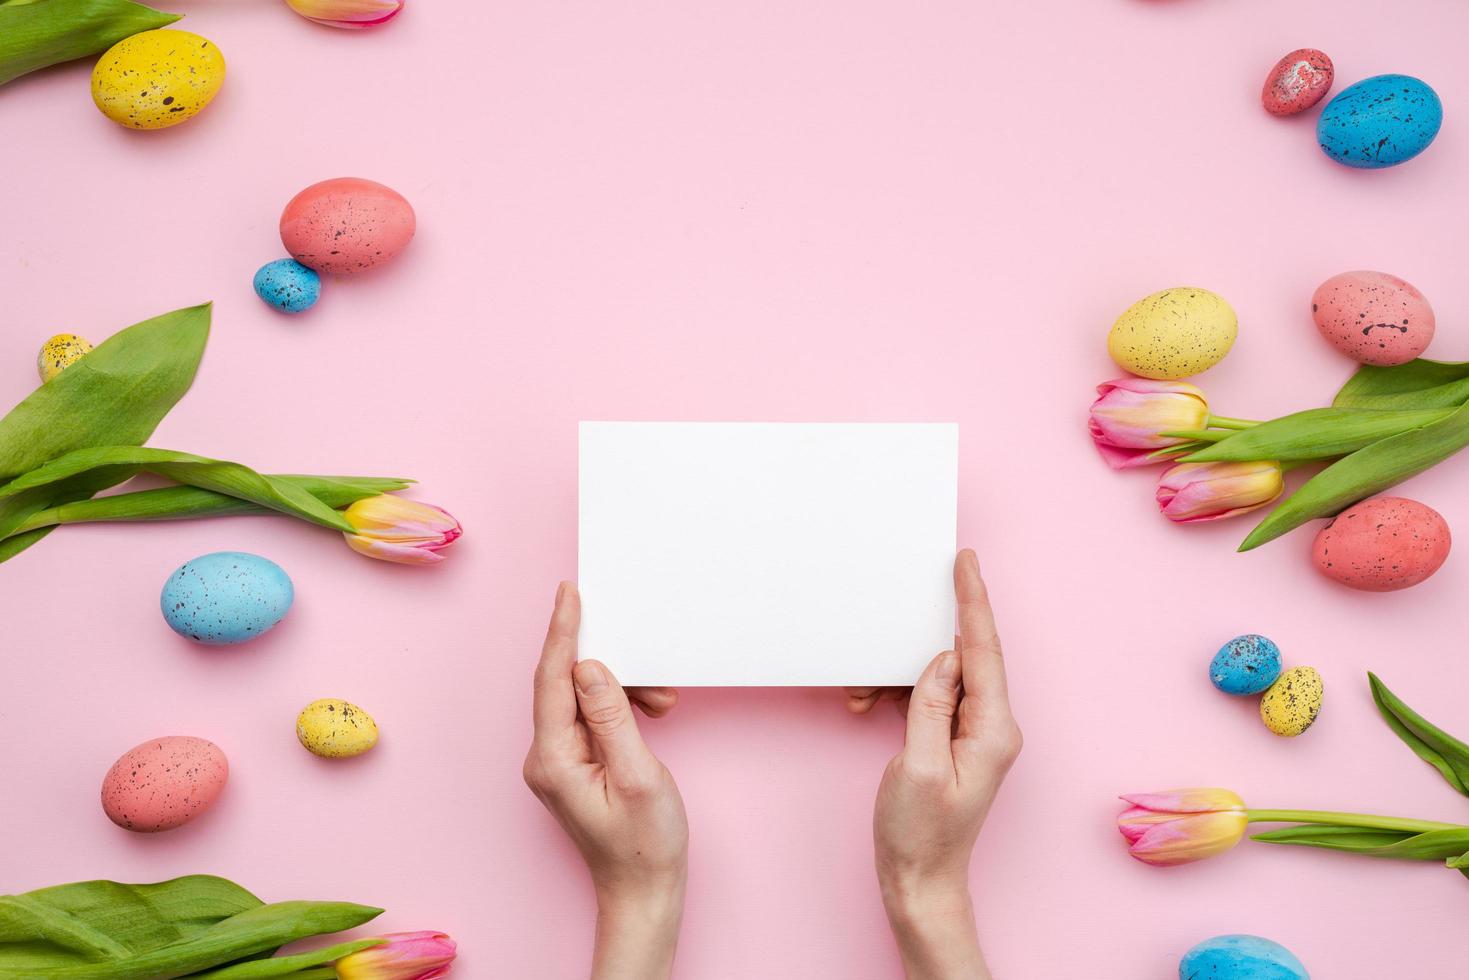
(1291, 704)
(1382, 545)
(288, 285)
(1245, 665)
(335, 729)
(1379, 122)
(60, 353)
(1240, 958)
(346, 225)
(157, 79)
(1173, 334)
(226, 597)
(1373, 317)
(164, 783)
(1297, 82)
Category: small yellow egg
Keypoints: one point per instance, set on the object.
(1291, 704)
(1173, 334)
(157, 79)
(335, 729)
(59, 353)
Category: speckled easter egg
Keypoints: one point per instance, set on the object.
(1379, 122)
(1382, 545)
(1373, 317)
(1240, 958)
(226, 597)
(1297, 82)
(164, 783)
(346, 225)
(288, 285)
(1245, 665)
(1291, 704)
(335, 729)
(157, 79)
(60, 353)
(1173, 333)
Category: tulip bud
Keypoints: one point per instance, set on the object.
(1182, 825)
(347, 13)
(391, 528)
(404, 956)
(1128, 417)
(1191, 492)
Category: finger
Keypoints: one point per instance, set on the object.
(860, 705)
(931, 711)
(861, 693)
(609, 719)
(554, 709)
(984, 664)
(655, 702)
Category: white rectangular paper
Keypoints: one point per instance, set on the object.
(753, 553)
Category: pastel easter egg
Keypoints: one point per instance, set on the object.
(1291, 704)
(1379, 122)
(164, 783)
(1297, 82)
(226, 597)
(157, 79)
(1373, 317)
(1173, 333)
(1382, 545)
(287, 285)
(1247, 664)
(1240, 958)
(346, 225)
(335, 729)
(60, 353)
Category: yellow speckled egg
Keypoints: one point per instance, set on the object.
(59, 353)
(1173, 334)
(1291, 704)
(157, 79)
(335, 729)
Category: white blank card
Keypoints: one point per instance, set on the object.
(754, 553)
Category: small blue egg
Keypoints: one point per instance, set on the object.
(1240, 958)
(1380, 122)
(226, 597)
(1245, 665)
(288, 285)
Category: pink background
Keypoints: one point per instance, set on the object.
(830, 210)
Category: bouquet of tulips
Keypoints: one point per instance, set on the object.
(82, 432)
(1180, 826)
(1385, 425)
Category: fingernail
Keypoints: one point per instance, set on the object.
(949, 671)
(560, 592)
(590, 676)
(971, 558)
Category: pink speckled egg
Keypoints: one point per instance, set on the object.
(1382, 545)
(1297, 82)
(346, 225)
(1373, 317)
(164, 783)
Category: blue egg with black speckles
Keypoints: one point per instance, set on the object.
(1245, 665)
(226, 597)
(1380, 122)
(1240, 958)
(288, 285)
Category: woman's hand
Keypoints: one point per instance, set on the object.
(961, 740)
(589, 766)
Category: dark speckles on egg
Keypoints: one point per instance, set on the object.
(1380, 122)
(226, 597)
(1173, 333)
(164, 783)
(1373, 317)
(346, 225)
(1382, 545)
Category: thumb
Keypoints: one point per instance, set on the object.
(609, 718)
(931, 710)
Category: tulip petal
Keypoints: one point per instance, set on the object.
(1190, 838)
(1186, 800)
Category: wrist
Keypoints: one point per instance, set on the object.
(932, 918)
(637, 931)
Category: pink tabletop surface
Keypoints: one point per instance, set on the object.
(822, 211)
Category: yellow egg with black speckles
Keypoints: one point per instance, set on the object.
(60, 353)
(1173, 333)
(335, 729)
(157, 79)
(1290, 705)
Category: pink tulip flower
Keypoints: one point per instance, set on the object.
(1130, 413)
(1192, 492)
(405, 956)
(392, 528)
(1182, 825)
(355, 14)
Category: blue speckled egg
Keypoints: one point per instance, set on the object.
(1245, 665)
(1240, 958)
(288, 285)
(1380, 122)
(226, 597)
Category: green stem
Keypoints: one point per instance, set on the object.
(1225, 422)
(1366, 820)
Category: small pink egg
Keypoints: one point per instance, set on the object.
(1382, 545)
(1297, 82)
(164, 783)
(346, 225)
(1373, 317)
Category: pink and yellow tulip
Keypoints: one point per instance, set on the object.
(1192, 492)
(354, 14)
(1130, 414)
(1182, 825)
(405, 956)
(391, 528)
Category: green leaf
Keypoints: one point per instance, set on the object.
(40, 33)
(1318, 433)
(1433, 845)
(286, 966)
(1417, 384)
(16, 543)
(115, 395)
(1434, 746)
(1365, 472)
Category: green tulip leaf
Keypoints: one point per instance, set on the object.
(1319, 433)
(1433, 845)
(1415, 385)
(287, 966)
(40, 33)
(1431, 744)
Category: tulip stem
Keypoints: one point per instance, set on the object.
(1364, 820)
(1195, 435)
(1225, 422)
